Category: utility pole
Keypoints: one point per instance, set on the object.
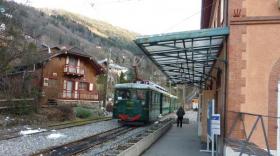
(107, 79)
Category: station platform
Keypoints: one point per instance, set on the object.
(177, 142)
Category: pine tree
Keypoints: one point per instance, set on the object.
(122, 78)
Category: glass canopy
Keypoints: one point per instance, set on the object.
(185, 57)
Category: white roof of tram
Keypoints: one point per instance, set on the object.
(142, 86)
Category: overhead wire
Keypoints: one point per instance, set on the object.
(94, 2)
(188, 17)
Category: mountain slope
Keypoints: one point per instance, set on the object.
(63, 28)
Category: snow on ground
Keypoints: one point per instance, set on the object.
(29, 144)
(56, 136)
(31, 131)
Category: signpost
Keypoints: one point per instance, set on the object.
(215, 129)
(213, 126)
(216, 124)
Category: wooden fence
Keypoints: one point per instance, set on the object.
(13, 104)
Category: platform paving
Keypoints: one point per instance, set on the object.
(177, 142)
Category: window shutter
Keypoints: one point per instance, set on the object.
(65, 85)
(91, 87)
(76, 85)
(78, 66)
(67, 60)
(76, 90)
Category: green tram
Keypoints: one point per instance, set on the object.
(140, 103)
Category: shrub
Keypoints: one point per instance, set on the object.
(83, 112)
(109, 107)
(67, 112)
(20, 107)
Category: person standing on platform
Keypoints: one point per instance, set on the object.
(180, 114)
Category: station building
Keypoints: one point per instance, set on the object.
(235, 61)
(252, 70)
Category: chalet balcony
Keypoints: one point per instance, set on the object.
(74, 70)
(78, 95)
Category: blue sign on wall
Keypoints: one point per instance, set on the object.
(216, 124)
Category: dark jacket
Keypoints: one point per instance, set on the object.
(180, 112)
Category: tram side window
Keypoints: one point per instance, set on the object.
(155, 98)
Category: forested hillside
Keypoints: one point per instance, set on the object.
(53, 27)
(97, 38)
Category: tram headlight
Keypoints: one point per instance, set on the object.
(143, 103)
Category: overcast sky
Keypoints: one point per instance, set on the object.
(141, 16)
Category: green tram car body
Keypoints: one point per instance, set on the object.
(136, 103)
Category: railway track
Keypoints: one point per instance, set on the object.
(76, 123)
(15, 134)
(79, 146)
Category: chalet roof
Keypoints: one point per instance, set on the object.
(49, 53)
(78, 51)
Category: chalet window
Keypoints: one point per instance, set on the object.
(83, 86)
(52, 83)
(73, 65)
(46, 82)
(73, 61)
(68, 88)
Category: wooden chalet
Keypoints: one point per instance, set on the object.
(68, 75)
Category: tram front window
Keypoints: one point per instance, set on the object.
(138, 95)
(123, 94)
(130, 95)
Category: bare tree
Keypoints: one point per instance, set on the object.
(15, 49)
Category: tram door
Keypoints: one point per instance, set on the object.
(278, 120)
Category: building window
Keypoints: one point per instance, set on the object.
(46, 82)
(73, 61)
(83, 86)
(52, 83)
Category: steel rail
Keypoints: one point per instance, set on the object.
(15, 134)
(79, 146)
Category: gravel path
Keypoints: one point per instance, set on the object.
(29, 144)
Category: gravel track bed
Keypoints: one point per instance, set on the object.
(30, 144)
(118, 140)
